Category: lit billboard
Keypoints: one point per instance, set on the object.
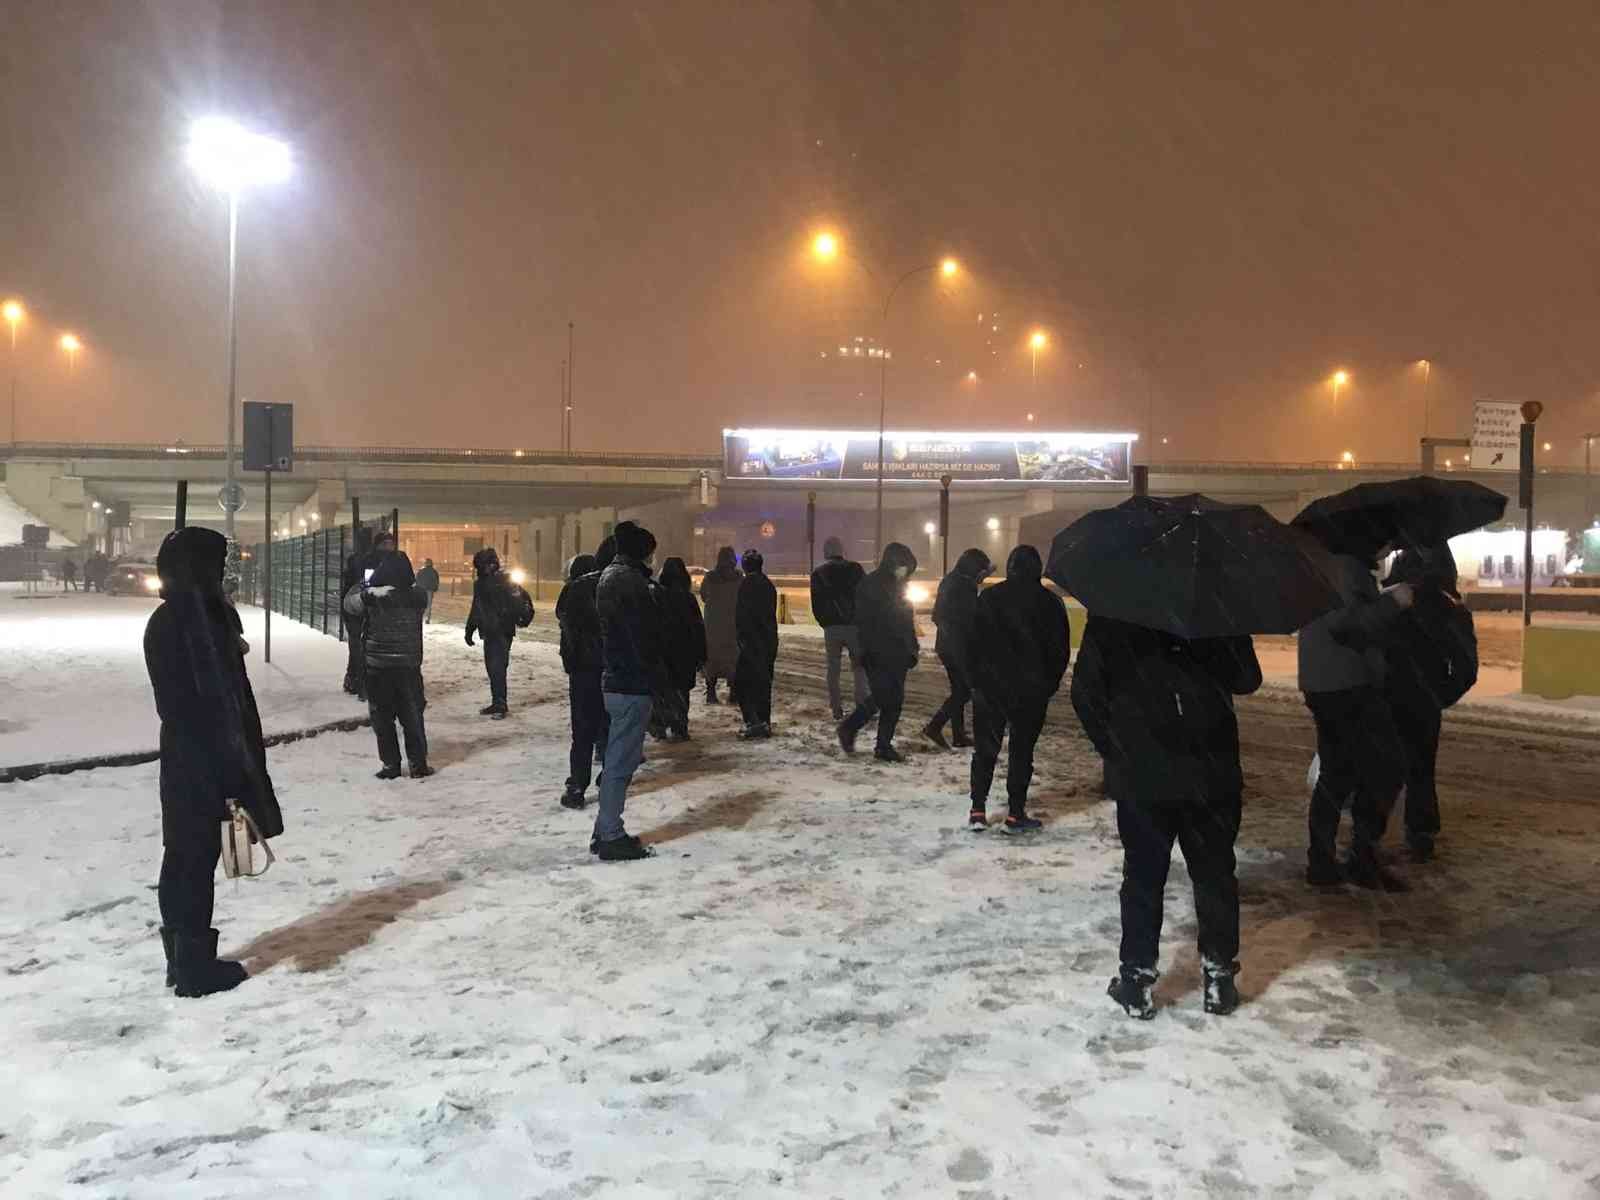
(1028, 457)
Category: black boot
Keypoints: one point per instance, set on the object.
(1323, 870)
(1221, 993)
(390, 771)
(958, 736)
(197, 969)
(1134, 989)
(166, 944)
(1366, 870)
(935, 734)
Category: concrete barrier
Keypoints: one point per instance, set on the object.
(1559, 661)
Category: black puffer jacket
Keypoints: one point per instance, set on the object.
(1344, 648)
(756, 613)
(885, 623)
(392, 635)
(1160, 709)
(833, 592)
(1433, 653)
(683, 630)
(1020, 637)
(211, 745)
(956, 606)
(580, 623)
(630, 625)
(499, 605)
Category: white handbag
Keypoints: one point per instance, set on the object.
(240, 839)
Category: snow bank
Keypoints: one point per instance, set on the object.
(13, 517)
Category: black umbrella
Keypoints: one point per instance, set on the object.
(1421, 511)
(1194, 567)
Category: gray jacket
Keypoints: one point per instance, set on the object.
(1343, 649)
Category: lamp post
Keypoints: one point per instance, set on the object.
(231, 158)
(1427, 396)
(71, 344)
(13, 312)
(1588, 481)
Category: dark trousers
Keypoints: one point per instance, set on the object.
(395, 694)
(589, 725)
(1205, 828)
(954, 709)
(355, 667)
(496, 661)
(887, 699)
(187, 888)
(752, 682)
(1418, 727)
(1362, 762)
(1024, 721)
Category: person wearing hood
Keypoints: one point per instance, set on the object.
(1432, 662)
(683, 635)
(833, 604)
(632, 669)
(499, 608)
(212, 750)
(719, 591)
(1159, 710)
(756, 623)
(887, 628)
(581, 659)
(1342, 669)
(390, 605)
(355, 569)
(1015, 656)
(428, 583)
(954, 610)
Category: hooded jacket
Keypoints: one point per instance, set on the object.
(683, 631)
(391, 606)
(630, 626)
(719, 591)
(1159, 709)
(580, 623)
(956, 605)
(1344, 648)
(499, 606)
(756, 614)
(885, 624)
(1433, 656)
(1020, 636)
(212, 750)
(833, 587)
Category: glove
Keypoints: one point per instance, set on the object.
(380, 591)
(469, 639)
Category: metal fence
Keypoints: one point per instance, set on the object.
(306, 573)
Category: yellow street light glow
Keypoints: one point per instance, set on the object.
(917, 593)
(1340, 378)
(1547, 445)
(825, 246)
(1348, 457)
(12, 311)
(993, 524)
(70, 343)
(518, 576)
(949, 267)
(972, 377)
(1039, 341)
(1030, 417)
(930, 529)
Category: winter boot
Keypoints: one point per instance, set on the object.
(420, 770)
(978, 820)
(1322, 871)
(1364, 869)
(490, 710)
(197, 970)
(958, 736)
(626, 848)
(1421, 845)
(166, 944)
(389, 772)
(888, 754)
(847, 738)
(1134, 989)
(1023, 824)
(572, 798)
(934, 734)
(1221, 993)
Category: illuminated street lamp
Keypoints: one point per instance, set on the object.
(1036, 343)
(1340, 378)
(231, 158)
(1426, 368)
(825, 246)
(71, 344)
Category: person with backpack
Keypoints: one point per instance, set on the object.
(954, 610)
(756, 622)
(499, 608)
(833, 605)
(581, 659)
(391, 607)
(428, 582)
(889, 650)
(1432, 663)
(683, 639)
(719, 591)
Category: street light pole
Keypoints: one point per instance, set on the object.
(1588, 480)
(13, 313)
(233, 363)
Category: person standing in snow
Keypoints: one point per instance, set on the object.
(1342, 671)
(428, 583)
(756, 622)
(683, 638)
(355, 568)
(581, 659)
(719, 591)
(954, 610)
(212, 751)
(390, 605)
(499, 608)
(1432, 662)
(1015, 656)
(69, 574)
(888, 631)
(1159, 709)
(630, 625)
(833, 605)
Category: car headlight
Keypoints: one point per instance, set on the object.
(519, 576)
(152, 583)
(917, 594)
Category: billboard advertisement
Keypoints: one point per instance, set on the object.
(1028, 457)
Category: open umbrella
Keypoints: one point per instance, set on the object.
(1421, 511)
(1194, 567)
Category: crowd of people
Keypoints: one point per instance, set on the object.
(1377, 672)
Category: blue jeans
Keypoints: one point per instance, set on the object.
(630, 716)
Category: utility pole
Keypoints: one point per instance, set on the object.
(570, 364)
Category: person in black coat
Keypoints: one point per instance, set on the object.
(833, 605)
(953, 612)
(756, 621)
(1015, 657)
(499, 607)
(888, 631)
(428, 582)
(683, 634)
(580, 658)
(212, 750)
(631, 674)
(355, 568)
(1159, 710)
(1432, 662)
(391, 607)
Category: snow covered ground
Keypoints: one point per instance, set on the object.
(821, 986)
(73, 681)
(13, 517)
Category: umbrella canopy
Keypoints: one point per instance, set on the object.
(1194, 567)
(1421, 511)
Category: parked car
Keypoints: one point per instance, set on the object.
(133, 579)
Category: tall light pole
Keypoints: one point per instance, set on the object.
(1036, 343)
(1588, 482)
(231, 158)
(1338, 380)
(13, 312)
(1427, 397)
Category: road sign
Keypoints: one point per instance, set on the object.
(1496, 435)
(230, 496)
(268, 436)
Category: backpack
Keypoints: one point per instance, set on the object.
(520, 606)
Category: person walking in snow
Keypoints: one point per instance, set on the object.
(833, 605)
(390, 605)
(69, 574)
(756, 622)
(1159, 710)
(630, 625)
(1432, 661)
(954, 610)
(212, 751)
(428, 583)
(719, 591)
(887, 628)
(683, 639)
(499, 608)
(582, 661)
(1014, 656)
